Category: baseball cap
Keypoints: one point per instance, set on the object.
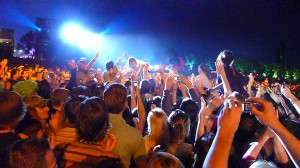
(35, 101)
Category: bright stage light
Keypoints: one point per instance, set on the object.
(82, 38)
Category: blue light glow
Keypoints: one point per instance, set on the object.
(75, 34)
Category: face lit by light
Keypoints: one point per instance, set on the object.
(42, 112)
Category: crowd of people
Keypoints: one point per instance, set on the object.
(131, 116)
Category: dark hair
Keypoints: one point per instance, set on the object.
(131, 59)
(92, 86)
(12, 108)
(44, 89)
(157, 101)
(145, 86)
(248, 126)
(115, 97)
(29, 153)
(201, 149)
(110, 163)
(152, 84)
(227, 57)
(109, 65)
(206, 71)
(29, 126)
(127, 83)
(190, 107)
(59, 95)
(72, 108)
(99, 91)
(93, 123)
(80, 90)
(13, 72)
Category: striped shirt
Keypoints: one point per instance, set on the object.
(65, 135)
(83, 155)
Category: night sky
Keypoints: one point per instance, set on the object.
(251, 29)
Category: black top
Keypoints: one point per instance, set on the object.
(6, 139)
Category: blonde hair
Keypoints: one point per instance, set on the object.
(158, 130)
(180, 123)
(164, 160)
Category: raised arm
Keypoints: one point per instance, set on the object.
(220, 70)
(166, 99)
(91, 63)
(191, 90)
(201, 117)
(256, 147)
(266, 115)
(218, 154)
(141, 111)
(288, 94)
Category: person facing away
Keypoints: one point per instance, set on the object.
(31, 152)
(93, 144)
(12, 110)
(130, 143)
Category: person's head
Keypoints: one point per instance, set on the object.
(115, 97)
(156, 101)
(39, 76)
(201, 149)
(227, 57)
(145, 86)
(128, 86)
(164, 160)
(25, 74)
(203, 69)
(152, 85)
(37, 107)
(15, 74)
(179, 123)
(100, 91)
(80, 90)
(59, 96)
(71, 108)
(26, 88)
(132, 63)
(263, 164)
(32, 152)
(12, 109)
(109, 65)
(92, 85)
(248, 126)
(158, 128)
(93, 122)
(30, 127)
(190, 107)
(44, 89)
(81, 65)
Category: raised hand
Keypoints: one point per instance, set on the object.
(229, 118)
(219, 67)
(97, 55)
(169, 82)
(266, 114)
(133, 76)
(215, 102)
(186, 81)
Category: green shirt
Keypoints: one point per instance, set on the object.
(130, 141)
